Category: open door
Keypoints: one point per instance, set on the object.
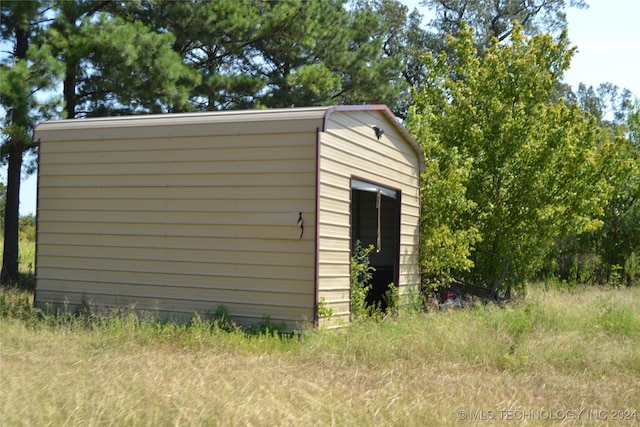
(375, 220)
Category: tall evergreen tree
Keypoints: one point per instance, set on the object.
(25, 71)
(277, 54)
(320, 53)
(116, 65)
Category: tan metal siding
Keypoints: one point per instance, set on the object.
(176, 213)
(174, 219)
(349, 148)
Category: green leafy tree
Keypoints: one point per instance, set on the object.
(535, 171)
(618, 241)
(26, 70)
(446, 244)
(620, 235)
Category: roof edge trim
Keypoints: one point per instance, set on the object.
(389, 114)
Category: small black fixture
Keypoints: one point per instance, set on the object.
(379, 132)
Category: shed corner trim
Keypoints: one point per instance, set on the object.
(390, 116)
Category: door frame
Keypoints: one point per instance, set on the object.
(389, 192)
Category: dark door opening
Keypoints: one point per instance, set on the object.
(375, 220)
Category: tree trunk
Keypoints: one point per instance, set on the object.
(9, 273)
(69, 92)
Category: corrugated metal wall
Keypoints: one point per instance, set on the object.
(350, 148)
(177, 217)
(180, 213)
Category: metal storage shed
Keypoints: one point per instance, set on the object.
(256, 211)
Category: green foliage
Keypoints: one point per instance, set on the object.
(361, 274)
(128, 58)
(620, 235)
(619, 238)
(633, 122)
(324, 311)
(17, 304)
(27, 228)
(29, 70)
(445, 244)
(26, 72)
(616, 318)
(632, 269)
(533, 163)
(267, 327)
(392, 299)
(416, 300)
(222, 319)
(116, 65)
(277, 54)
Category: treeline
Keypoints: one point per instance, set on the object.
(520, 167)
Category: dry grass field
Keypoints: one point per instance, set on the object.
(556, 358)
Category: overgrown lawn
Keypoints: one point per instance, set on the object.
(554, 351)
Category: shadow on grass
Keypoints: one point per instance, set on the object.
(26, 282)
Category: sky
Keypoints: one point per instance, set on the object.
(607, 35)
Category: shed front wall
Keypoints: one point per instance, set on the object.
(173, 219)
(348, 149)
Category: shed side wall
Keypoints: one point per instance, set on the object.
(174, 220)
(350, 148)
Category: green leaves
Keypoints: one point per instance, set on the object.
(446, 242)
(133, 69)
(532, 164)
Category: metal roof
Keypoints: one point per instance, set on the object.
(230, 116)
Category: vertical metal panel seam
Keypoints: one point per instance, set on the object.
(35, 270)
(316, 294)
(396, 262)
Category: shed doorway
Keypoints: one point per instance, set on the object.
(375, 220)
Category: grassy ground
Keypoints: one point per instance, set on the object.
(26, 261)
(536, 362)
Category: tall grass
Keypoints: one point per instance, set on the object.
(553, 351)
(26, 254)
(26, 261)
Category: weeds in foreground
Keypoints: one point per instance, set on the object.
(554, 349)
(361, 275)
